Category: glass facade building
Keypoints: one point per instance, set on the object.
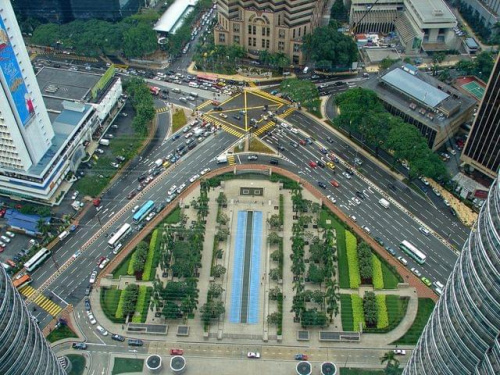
(23, 349)
(463, 333)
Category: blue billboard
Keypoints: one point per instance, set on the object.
(13, 78)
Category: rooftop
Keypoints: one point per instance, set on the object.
(415, 87)
(433, 10)
(169, 19)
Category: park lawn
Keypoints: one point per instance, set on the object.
(110, 298)
(178, 120)
(346, 312)
(173, 217)
(77, 364)
(256, 145)
(126, 365)
(122, 269)
(63, 332)
(391, 279)
(396, 309)
(425, 308)
(358, 371)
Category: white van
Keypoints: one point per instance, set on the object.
(439, 285)
(403, 261)
(193, 94)
(176, 90)
(424, 231)
(193, 84)
(63, 235)
(183, 99)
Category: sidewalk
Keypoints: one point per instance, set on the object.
(237, 77)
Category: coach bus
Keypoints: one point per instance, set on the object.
(413, 252)
(37, 259)
(118, 236)
(143, 211)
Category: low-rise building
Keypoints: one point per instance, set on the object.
(434, 107)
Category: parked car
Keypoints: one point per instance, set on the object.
(176, 352)
(117, 337)
(255, 355)
(400, 351)
(102, 331)
(93, 277)
(252, 157)
(79, 345)
(426, 281)
(321, 184)
(416, 272)
(87, 304)
(301, 357)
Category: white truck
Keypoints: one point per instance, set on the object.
(198, 131)
(222, 159)
(104, 142)
(63, 235)
(76, 205)
(159, 162)
(384, 203)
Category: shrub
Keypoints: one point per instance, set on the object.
(365, 262)
(342, 254)
(110, 298)
(346, 314)
(370, 309)
(358, 315)
(142, 304)
(130, 295)
(382, 316)
(282, 209)
(148, 267)
(378, 276)
(119, 309)
(352, 260)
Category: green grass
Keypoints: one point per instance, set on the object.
(122, 269)
(60, 333)
(425, 307)
(396, 309)
(358, 371)
(126, 365)
(256, 145)
(391, 277)
(346, 312)
(77, 364)
(382, 315)
(352, 260)
(178, 120)
(378, 275)
(174, 216)
(358, 314)
(142, 304)
(109, 303)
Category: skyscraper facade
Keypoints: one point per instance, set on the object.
(23, 349)
(482, 150)
(463, 333)
(276, 26)
(25, 129)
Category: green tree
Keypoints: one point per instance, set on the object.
(130, 299)
(370, 309)
(339, 11)
(316, 274)
(365, 262)
(274, 293)
(215, 290)
(327, 44)
(301, 91)
(439, 57)
(141, 254)
(275, 274)
(218, 270)
(274, 318)
(222, 234)
(273, 238)
(171, 310)
(139, 41)
(46, 35)
(313, 318)
(386, 63)
(274, 222)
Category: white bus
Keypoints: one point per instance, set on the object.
(37, 259)
(118, 236)
(412, 251)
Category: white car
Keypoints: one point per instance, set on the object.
(99, 151)
(172, 190)
(194, 178)
(436, 191)
(331, 198)
(150, 216)
(117, 248)
(253, 355)
(188, 135)
(93, 276)
(403, 260)
(10, 234)
(102, 331)
(136, 207)
(206, 170)
(366, 229)
(400, 351)
(181, 188)
(446, 203)
(75, 194)
(2, 244)
(356, 201)
(77, 254)
(5, 239)
(346, 175)
(103, 263)
(416, 272)
(424, 180)
(91, 318)
(294, 130)
(353, 218)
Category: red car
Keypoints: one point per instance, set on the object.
(101, 259)
(334, 183)
(176, 352)
(302, 142)
(313, 164)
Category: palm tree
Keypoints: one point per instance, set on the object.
(390, 358)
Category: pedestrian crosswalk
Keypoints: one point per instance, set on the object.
(161, 110)
(230, 160)
(40, 300)
(264, 128)
(227, 128)
(288, 112)
(203, 105)
(252, 84)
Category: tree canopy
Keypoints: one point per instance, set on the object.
(300, 91)
(330, 49)
(481, 66)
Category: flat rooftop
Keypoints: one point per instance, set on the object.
(169, 19)
(433, 11)
(58, 85)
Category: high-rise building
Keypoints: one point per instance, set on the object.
(488, 11)
(25, 129)
(23, 349)
(275, 26)
(482, 150)
(462, 335)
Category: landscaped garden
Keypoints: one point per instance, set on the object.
(126, 365)
(425, 308)
(61, 332)
(77, 364)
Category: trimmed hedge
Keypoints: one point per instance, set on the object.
(382, 316)
(358, 315)
(352, 260)
(342, 255)
(130, 269)
(142, 304)
(346, 312)
(282, 209)
(148, 267)
(119, 309)
(110, 297)
(378, 276)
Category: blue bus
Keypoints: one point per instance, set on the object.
(143, 211)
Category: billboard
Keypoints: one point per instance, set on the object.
(13, 78)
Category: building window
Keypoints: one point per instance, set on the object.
(268, 31)
(267, 43)
(255, 42)
(254, 30)
(281, 34)
(249, 41)
(263, 31)
(281, 46)
(296, 47)
(222, 38)
(236, 39)
(263, 43)
(236, 27)
(299, 31)
(250, 29)
(293, 34)
(305, 29)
